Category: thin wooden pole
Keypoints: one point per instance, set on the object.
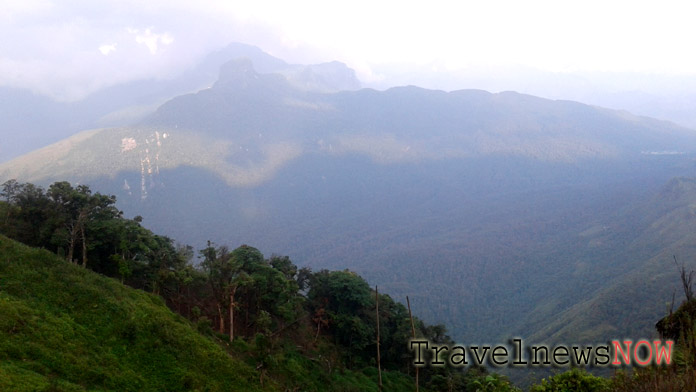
(413, 334)
(379, 367)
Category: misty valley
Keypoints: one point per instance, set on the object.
(499, 215)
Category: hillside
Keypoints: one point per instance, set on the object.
(249, 125)
(646, 275)
(65, 328)
(493, 212)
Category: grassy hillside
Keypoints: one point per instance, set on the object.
(64, 328)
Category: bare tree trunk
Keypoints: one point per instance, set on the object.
(246, 319)
(84, 245)
(413, 334)
(222, 320)
(71, 244)
(379, 366)
(686, 280)
(234, 289)
(316, 336)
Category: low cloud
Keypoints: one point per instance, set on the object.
(69, 49)
(52, 50)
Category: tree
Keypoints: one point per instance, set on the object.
(224, 275)
(78, 208)
(343, 301)
(266, 289)
(284, 265)
(572, 380)
(31, 222)
(9, 191)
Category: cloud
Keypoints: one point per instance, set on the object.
(106, 49)
(53, 46)
(150, 39)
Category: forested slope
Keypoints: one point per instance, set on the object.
(233, 321)
(67, 328)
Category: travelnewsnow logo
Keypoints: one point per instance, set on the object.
(615, 353)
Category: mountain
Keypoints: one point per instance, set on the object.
(32, 121)
(499, 214)
(646, 276)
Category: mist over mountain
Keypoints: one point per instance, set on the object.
(32, 121)
(666, 97)
(499, 214)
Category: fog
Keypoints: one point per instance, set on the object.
(626, 55)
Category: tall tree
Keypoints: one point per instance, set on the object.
(345, 301)
(224, 276)
(10, 188)
(78, 208)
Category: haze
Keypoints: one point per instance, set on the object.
(67, 49)
(499, 213)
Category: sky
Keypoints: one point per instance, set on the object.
(68, 48)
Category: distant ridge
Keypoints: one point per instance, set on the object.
(534, 207)
(33, 121)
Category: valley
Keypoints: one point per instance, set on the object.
(500, 215)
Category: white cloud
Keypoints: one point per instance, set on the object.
(54, 38)
(13, 9)
(106, 49)
(150, 39)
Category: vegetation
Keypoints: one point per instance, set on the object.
(269, 325)
(506, 192)
(573, 380)
(65, 328)
(244, 322)
(679, 326)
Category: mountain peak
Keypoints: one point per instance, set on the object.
(325, 77)
(329, 77)
(238, 70)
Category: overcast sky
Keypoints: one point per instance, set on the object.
(68, 48)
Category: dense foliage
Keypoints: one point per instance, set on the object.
(573, 380)
(291, 324)
(269, 325)
(64, 328)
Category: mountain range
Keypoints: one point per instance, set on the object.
(32, 121)
(499, 215)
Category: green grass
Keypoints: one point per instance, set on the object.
(65, 328)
